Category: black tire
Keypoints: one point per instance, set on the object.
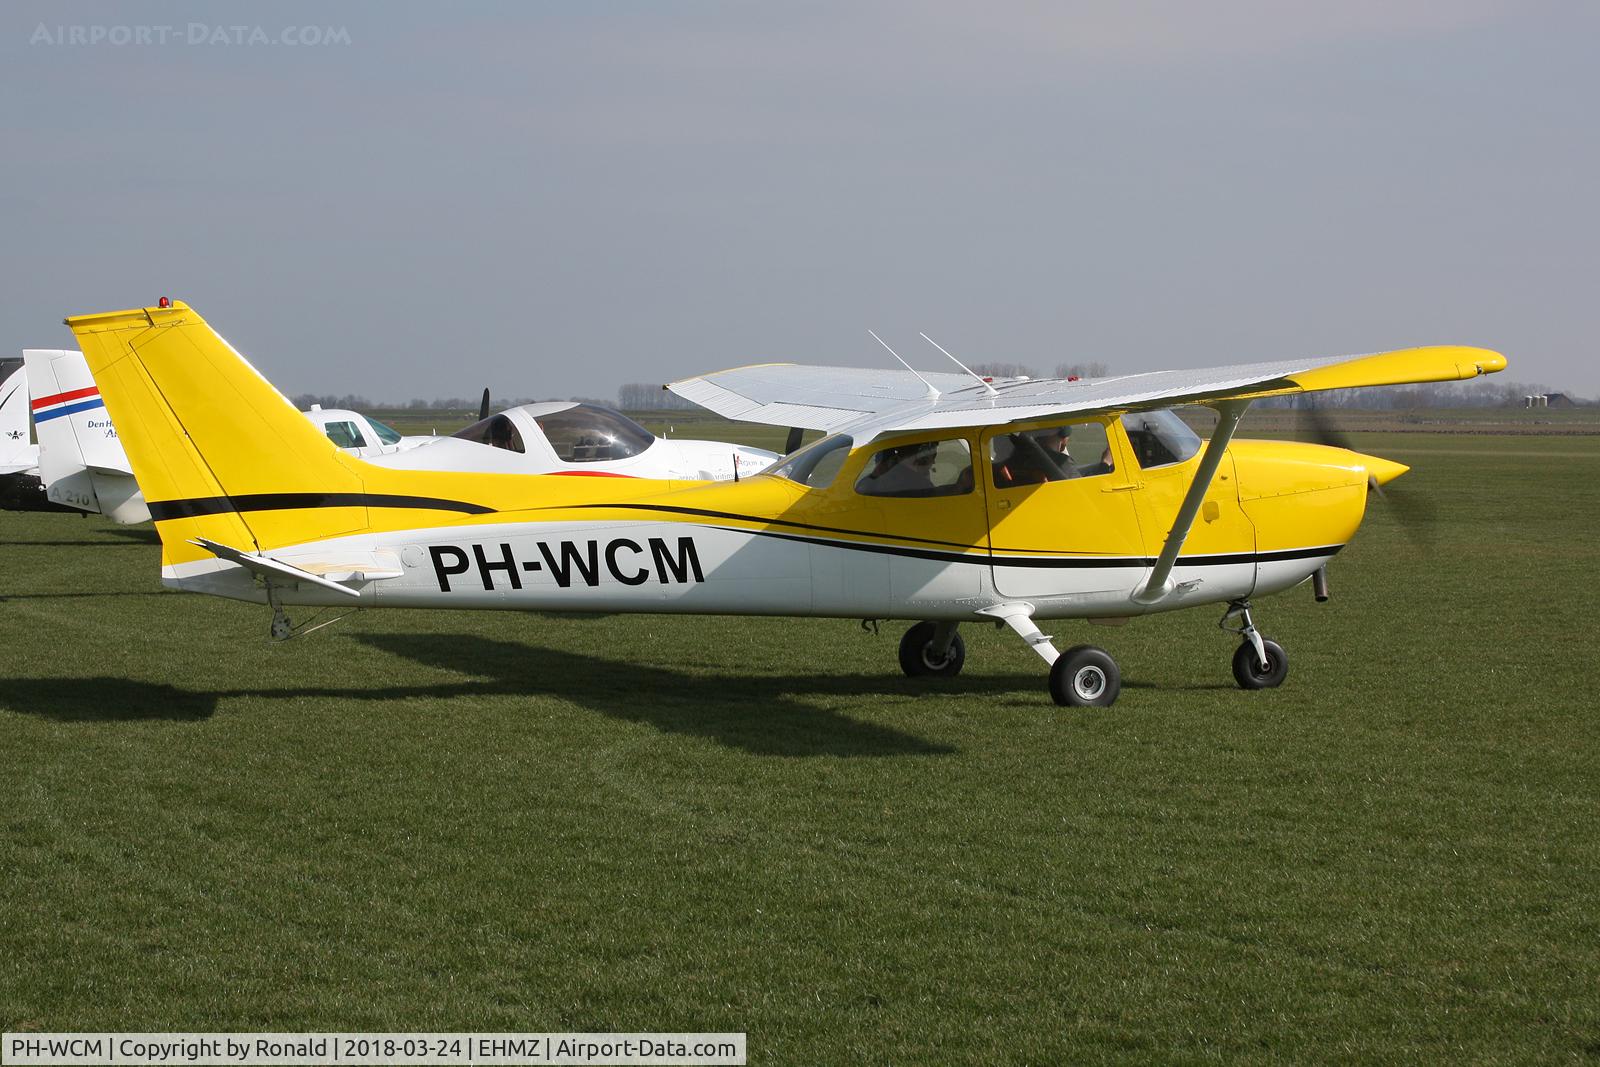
(1085, 677)
(1247, 668)
(916, 657)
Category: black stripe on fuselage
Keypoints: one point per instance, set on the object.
(161, 510)
(1053, 562)
(706, 514)
(999, 558)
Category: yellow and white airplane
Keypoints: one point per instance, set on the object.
(940, 498)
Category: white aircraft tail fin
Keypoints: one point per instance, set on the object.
(81, 459)
(16, 446)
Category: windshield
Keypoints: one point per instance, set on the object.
(387, 434)
(1159, 438)
(816, 464)
(586, 434)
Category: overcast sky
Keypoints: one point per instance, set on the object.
(555, 199)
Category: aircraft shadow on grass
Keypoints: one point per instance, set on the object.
(137, 535)
(759, 714)
(98, 595)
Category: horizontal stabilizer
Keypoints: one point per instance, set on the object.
(314, 573)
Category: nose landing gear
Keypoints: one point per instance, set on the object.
(1259, 662)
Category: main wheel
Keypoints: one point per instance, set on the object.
(1085, 677)
(1247, 670)
(917, 657)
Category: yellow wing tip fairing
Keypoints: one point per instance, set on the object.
(1407, 366)
(1490, 362)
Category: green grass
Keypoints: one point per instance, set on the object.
(478, 821)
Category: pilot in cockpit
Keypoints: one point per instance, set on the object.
(501, 433)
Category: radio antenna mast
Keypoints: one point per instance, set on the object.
(986, 386)
(933, 393)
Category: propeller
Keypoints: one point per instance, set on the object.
(1415, 514)
(483, 408)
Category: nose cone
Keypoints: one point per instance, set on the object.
(1382, 471)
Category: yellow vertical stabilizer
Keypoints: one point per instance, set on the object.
(205, 432)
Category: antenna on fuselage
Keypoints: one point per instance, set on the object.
(932, 392)
(990, 389)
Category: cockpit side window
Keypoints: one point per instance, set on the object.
(931, 468)
(497, 431)
(1159, 438)
(585, 434)
(1053, 454)
(345, 435)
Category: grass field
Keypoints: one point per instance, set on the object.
(475, 821)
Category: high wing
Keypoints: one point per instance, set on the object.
(872, 402)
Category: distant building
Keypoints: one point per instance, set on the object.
(1549, 400)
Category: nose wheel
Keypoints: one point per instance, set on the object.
(1259, 662)
(1249, 672)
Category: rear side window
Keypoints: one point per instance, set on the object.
(496, 431)
(932, 468)
(345, 435)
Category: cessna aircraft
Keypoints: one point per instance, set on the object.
(941, 498)
(568, 437)
(81, 463)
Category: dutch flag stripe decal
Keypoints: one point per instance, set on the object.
(69, 403)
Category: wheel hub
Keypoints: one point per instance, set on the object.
(1089, 682)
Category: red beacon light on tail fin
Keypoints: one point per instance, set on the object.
(163, 303)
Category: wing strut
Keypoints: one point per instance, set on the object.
(1159, 583)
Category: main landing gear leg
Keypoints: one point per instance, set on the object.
(1259, 662)
(281, 628)
(1081, 677)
